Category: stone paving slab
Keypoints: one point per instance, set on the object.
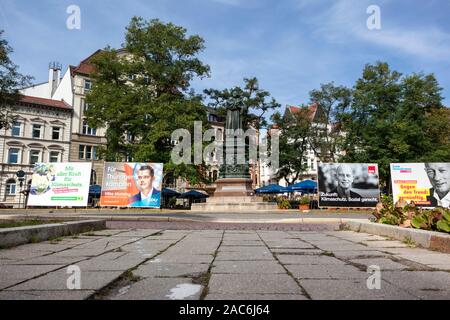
(57, 280)
(171, 269)
(385, 244)
(417, 281)
(247, 267)
(296, 251)
(354, 254)
(254, 296)
(248, 243)
(46, 295)
(302, 271)
(308, 259)
(383, 263)
(253, 283)
(231, 256)
(161, 289)
(200, 258)
(352, 290)
(50, 259)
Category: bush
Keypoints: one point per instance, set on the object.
(283, 203)
(407, 215)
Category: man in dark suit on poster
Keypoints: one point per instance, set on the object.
(439, 175)
(345, 177)
(148, 195)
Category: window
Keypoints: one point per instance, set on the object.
(88, 130)
(34, 156)
(87, 152)
(37, 131)
(87, 85)
(54, 156)
(56, 133)
(15, 129)
(13, 156)
(85, 105)
(10, 187)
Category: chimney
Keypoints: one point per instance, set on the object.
(54, 76)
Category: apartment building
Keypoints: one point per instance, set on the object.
(41, 133)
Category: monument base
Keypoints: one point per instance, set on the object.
(234, 195)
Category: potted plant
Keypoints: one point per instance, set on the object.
(304, 203)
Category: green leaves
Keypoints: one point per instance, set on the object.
(141, 92)
(10, 82)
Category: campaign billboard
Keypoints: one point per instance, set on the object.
(427, 184)
(131, 184)
(349, 185)
(60, 184)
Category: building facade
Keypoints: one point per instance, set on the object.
(41, 133)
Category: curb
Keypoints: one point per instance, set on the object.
(10, 237)
(427, 239)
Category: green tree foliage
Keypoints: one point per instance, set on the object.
(295, 131)
(327, 134)
(10, 83)
(142, 92)
(256, 101)
(395, 118)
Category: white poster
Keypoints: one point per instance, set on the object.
(60, 184)
(427, 184)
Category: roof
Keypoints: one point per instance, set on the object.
(84, 67)
(61, 104)
(312, 109)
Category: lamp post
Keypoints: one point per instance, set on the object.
(21, 177)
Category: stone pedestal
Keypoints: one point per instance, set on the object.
(233, 187)
(234, 195)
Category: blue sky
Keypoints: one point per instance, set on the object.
(291, 46)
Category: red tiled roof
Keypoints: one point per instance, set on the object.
(46, 102)
(312, 109)
(85, 67)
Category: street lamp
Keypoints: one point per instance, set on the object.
(21, 177)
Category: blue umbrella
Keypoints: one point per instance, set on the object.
(303, 186)
(194, 194)
(271, 188)
(166, 192)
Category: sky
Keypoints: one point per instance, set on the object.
(291, 46)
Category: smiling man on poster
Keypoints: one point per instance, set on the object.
(439, 175)
(148, 196)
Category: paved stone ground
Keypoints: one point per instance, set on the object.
(223, 264)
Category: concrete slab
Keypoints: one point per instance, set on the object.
(352, 290)
(355, 254)
(254, 296)
(247, 267)
(232, 256)
(383, 263)
(171, 269)
(46, 295)
(296, 251)
(161, 289)
(302, 271)
(57, 280)
(419, 282)
(308, 259)
(165, 258)
(253, 283)
(385, 244)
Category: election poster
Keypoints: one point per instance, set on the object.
(425, 184)
(60, 184)
(130, 184)
(348, 185)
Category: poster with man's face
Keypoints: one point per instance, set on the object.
(132, 184)
(348, 185)
(426, 184)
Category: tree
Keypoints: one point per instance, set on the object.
(10, 82)
(142, 92)
(327, 134)
(394, 118)
(257, 101)
(295, 132)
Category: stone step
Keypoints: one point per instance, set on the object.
(233, 206)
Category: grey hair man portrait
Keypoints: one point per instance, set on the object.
(439, 175)
(345, 177)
